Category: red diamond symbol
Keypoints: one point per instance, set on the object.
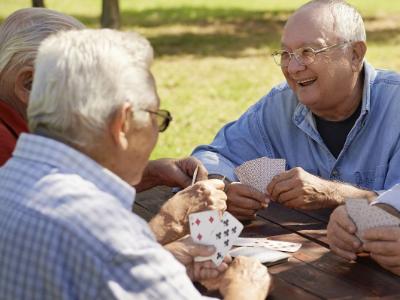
(199, 237)
(198, 222)
(211, 219)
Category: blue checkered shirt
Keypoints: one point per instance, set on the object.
(67, 232)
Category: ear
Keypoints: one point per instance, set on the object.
(120, 126)
(23, 83)
(358, 54)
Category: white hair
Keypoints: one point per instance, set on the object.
(83, 77)
(348, 23)
(23, 31)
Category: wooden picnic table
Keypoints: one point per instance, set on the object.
(313, 272)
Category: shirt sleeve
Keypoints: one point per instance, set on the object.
(149, 273)
(237, 142)
(390, 197)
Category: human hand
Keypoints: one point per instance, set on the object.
(245, 278)
(171, 172)
(383, 243)
(244, 200)
(171, 222)
(341, 234)
(185, 250)
(297, 188)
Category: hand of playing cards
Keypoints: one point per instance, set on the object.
(366, 216)
(259, 172)
(209, 228)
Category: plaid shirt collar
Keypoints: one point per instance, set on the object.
(59, 155)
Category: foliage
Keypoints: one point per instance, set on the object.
(212, 56)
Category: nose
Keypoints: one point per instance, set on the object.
(294, 66)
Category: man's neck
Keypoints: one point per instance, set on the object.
(345, 108)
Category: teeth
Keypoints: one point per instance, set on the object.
(306, 80)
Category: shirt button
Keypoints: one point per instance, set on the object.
(335, 173)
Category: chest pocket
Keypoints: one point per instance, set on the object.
(372, 179)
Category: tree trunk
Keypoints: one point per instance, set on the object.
(110, 16)
(38, 3)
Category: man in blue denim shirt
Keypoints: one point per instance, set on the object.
(335, 120)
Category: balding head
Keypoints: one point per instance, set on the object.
(334, 16)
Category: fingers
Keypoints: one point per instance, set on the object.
(186, 167)
(279, 178)
(382, 234)
(200, 250)
(238, 211)
(239, 190)
(383, 248)
(343, 253)
(341, 236)
(214, 183)
(386, 261)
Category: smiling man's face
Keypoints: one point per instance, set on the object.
(329, 80)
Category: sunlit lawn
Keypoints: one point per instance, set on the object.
(212, 56)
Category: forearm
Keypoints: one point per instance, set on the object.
(338, 192)
(166, 228)
(149, 178)
(242, 290)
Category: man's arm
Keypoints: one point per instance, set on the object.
(297, 188)
(171, 222)
(171, 172)
(237, 142)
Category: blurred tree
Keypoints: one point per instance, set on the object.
(38, 3)
(110, 16)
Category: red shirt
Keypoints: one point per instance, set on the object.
(11, 126)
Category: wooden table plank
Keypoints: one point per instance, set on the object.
(313, 272)
(353, 280)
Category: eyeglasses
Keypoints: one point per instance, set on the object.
(304, 56)
(163, 118)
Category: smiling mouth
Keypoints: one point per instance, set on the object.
(306, 82)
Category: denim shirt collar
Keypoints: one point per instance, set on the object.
(303, 118)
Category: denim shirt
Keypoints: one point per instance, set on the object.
(279, 126)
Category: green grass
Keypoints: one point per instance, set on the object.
(212, 56)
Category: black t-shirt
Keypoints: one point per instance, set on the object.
(333, 133)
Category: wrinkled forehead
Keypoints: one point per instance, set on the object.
(311, 26)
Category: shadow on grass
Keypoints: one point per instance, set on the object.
(217, 32)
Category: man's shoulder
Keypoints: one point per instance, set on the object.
(386, 77)
(88, 214)
(279, 99)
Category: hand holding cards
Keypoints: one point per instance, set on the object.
(259, 172)
(366, 216)
(209, 228)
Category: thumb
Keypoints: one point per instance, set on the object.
(201, 250)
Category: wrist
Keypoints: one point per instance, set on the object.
(166, 228)
(243, 290)
(226, 181)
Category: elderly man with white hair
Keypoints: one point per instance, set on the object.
(20, 36)
(335, 120)
(66, 229)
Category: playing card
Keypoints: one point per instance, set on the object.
(264, 255)
(259, 172)
(202, 225)
(366, 216)
(223, 236)
(266, 243)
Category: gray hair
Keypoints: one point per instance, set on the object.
(23, 31)
(348, 23)
(83, 77)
